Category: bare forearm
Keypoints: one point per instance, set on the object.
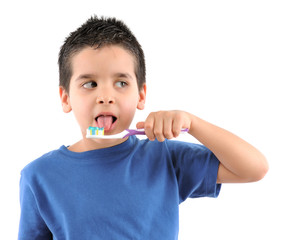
(241, 162)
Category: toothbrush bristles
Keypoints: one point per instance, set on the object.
(95, 131)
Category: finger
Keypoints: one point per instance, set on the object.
(167, 127)
(140, 125)
(177, 125)
(181, 121)
(149, 126)
(158, 127)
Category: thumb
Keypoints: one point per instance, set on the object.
(140, 125)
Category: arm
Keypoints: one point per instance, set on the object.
(31, 225)
(239, 161)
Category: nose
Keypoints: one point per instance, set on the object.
(105, 100)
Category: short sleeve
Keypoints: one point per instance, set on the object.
(196, 169)
(32, 226)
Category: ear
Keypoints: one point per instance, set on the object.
(65, 100)
(142, 97)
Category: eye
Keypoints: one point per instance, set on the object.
(121, 84)
(90, 85)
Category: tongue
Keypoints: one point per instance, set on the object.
(105, 122)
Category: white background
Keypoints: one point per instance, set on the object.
(232, 63)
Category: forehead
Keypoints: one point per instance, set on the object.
(106, 58)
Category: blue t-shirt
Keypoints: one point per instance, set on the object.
(129, 191)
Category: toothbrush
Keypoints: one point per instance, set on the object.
(95, 132)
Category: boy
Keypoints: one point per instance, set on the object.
(123, 188)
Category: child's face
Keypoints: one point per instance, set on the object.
(103, 89)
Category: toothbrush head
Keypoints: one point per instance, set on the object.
(95, 131)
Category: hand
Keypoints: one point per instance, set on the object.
(165, 124)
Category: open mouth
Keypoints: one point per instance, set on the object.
(105, 121)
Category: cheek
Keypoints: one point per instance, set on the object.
(81, 109)
(129, 108)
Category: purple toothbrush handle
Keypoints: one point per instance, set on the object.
(184, 130)
(142, 132)
(134, 132)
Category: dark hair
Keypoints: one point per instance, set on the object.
(97, 33)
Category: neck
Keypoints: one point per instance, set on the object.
(92, 144)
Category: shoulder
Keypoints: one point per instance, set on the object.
(171, 145)
(146, 146)
(181, 147)
(40, 164)
(173, 148)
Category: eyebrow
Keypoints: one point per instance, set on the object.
(90, 76)
(85, 76)
(123, 75)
